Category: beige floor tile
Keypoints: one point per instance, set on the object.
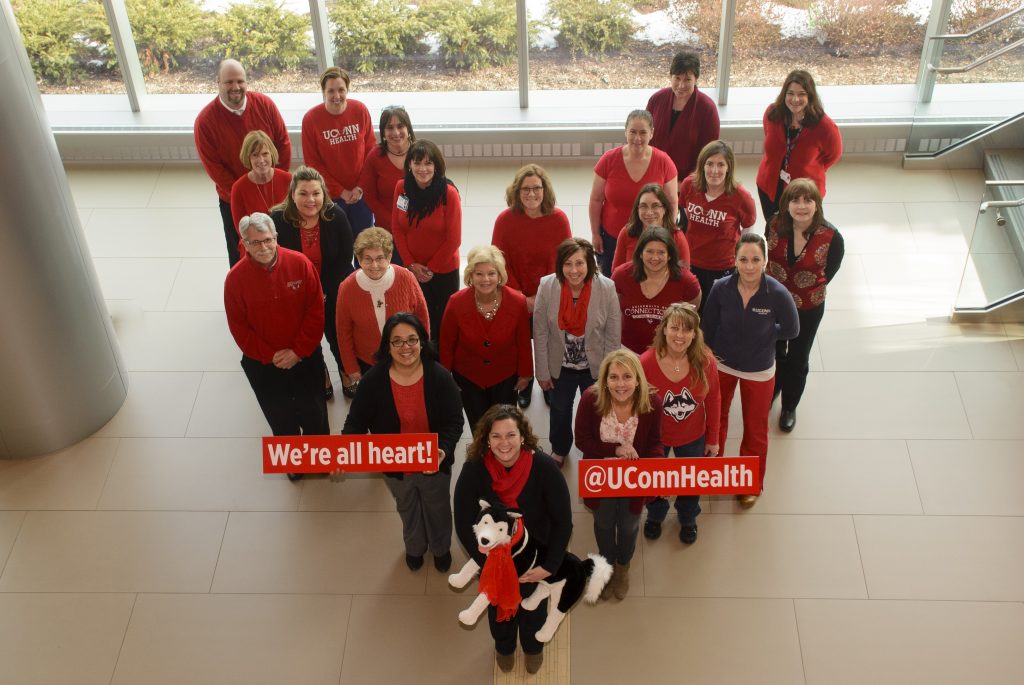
(155, 233)
(988, 235)
(104, 551)
(356, 553)
(158, 405)
(579, 219)
(184, 186)
(226, 407)
(83, 632)
(148, 281)
(872, 227)
(848, 642)
(902, 405)
(389, 646)
(487, 182)
(572, 181)
(241, 639)
(112, 186)
(71, 478)
(970, 184)
(925, 284)
(195, 474)
(199, 286)
(889, 341)
(994, 403)
(1015, 334)
(478, 224)
(177, 341)
(83, 215)
(857, 177)
(702, 641)
(10, 524)
(357, 492)
(943, 226)
(850, 288)
(757, 555)
(969, 478)
(942, 557)
(458, 172)
(835, 477)
(989, 277)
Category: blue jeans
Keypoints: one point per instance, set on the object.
(688, 506)
(562, 397)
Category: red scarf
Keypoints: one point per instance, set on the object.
(508, 483)
(499, 580)
(572, 317)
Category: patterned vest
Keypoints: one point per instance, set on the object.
(805, 278)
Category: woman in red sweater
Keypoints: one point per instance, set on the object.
(385, 166)
(263, 186)
(426, 220)
(800, 141)
(649, 209)
(683, 372)
(369, 297)
(618, 418)
(528, 233)
(717, 209)
(485, 335)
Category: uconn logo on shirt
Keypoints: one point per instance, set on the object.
(347, 134)
(680, 406)
(294, 285)
(763, 311)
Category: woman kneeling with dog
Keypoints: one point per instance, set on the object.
(504, 463)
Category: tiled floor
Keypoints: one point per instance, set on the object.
(887, 547)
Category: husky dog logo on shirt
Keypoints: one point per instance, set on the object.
(680, 406)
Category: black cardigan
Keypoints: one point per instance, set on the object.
(544, 503)
(373, 409)
(335, 249)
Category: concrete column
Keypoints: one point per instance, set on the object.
(61, 373)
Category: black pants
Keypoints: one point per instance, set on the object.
(707, 278)
(437, 291)
(331, 328)
(477, 400)
(524, 623)
(769, 207)
(292, 399)
(791, 358)
(230, 232)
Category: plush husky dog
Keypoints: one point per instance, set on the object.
(502, 536)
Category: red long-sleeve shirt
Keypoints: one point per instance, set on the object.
(486, 352)
(433, 240)
(219, 134)
(714, 228)
(337, 145)
(816, 149)
(248, 197)
(696, 125)
(529, 246)
(275, 309)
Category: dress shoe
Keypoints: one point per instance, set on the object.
(688, 534)
(414, 563)
(349, 391)
(547, 397)
(787, 420)
(523, 400)
(652, 529)
(506, 662)
(294, 476)
(534, 662)
(443, 562)
(328, 392)
(746, 501)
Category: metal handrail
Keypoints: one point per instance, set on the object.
(961, 36)
(978, 62)
(1005, 183)
(985, 206)
(992, 306)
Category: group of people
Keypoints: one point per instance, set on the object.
(653, 323)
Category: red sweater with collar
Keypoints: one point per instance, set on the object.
(219, 134)
(529, 246)
(486, 352)
(275, 309)
(337, 145)
(432, 241)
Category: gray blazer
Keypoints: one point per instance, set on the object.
(602, 334)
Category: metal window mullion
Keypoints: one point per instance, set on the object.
(127, 53)
(931, 52)
(725, 50)
(523, 42)
(321, 33)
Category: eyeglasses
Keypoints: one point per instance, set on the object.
(368, 261)
(531, 190)
(398, 343)
(266, 242)
(644, 207)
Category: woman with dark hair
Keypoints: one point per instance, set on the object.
(576, 323)
(426, 220)
(618, 418)
(800, 141)
(528, 233)
(308, 222)
(683, 372)
(717, 209)
(264, 185)
(649, 284)
(804, 254)
(618, 177)
(392, 398)
(485, 335)
(505, 463)
(385, 166)
(744, 316)
(685, 119)
(651, 208)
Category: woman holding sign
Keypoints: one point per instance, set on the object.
(684, 373)
(618, 418)
(392, 398)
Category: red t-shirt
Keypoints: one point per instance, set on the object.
(337, 145)
(714, 228)
(627, 245)
(620, 190)
(640, 314)
(433, 240)
(688, 409)
(529, 245)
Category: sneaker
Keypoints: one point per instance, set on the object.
(652, 529)
(688, 534)
(534, 662)
(506, 662)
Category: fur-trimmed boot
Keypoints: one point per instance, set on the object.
(620, 581)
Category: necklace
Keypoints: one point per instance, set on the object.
(398, 154)
(259, 188)
(310, 235)
(488, 315)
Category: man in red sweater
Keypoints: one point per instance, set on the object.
(275, 310)
(219, 130)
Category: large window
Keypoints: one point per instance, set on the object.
(967, 15)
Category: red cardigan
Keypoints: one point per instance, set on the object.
(816, 150)
(486, 352)
(646, 441)
(529, 246)
(696, 126)
(378, 182)
(337, 145)
(432, 241)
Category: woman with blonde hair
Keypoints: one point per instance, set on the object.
(485, 335)
(264, 185)
(619, 417)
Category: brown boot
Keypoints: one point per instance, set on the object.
(620, 581)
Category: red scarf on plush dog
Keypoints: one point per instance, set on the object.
(499, 580)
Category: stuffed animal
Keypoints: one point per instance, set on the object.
(502, 536)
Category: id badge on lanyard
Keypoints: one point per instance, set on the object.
(790, 144)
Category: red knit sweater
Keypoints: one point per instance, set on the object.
(696, 126)
(486, 352)
(378, 182)
(529, 246)
(815, 151)
(248, 197)
(714, 228)
(219, 134)
(432, 241)
(337, 145)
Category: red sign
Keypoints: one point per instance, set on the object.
(354, 453)
(649, 477)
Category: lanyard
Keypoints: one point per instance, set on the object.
(790, 144)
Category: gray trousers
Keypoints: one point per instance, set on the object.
(424, 504)
(616, 529)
